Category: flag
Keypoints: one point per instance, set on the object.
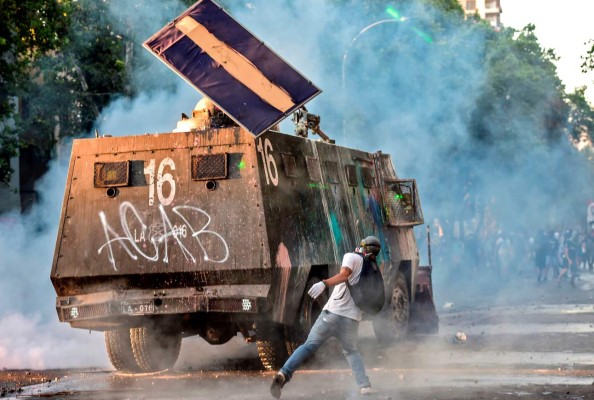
(232, 67)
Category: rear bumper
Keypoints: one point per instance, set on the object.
(80, 310)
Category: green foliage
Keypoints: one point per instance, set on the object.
(83, 77)
(581, 114)
(69, 61)
(522, 90)
(29, 29)
(588, 58)
(448, 6)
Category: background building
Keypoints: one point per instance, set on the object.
(489, 10)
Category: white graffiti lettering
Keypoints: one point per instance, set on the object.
(152, 243)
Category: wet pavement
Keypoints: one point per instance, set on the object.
(538, 346)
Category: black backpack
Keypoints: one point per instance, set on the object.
(368, 293)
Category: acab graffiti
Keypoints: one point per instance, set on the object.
(152, 243)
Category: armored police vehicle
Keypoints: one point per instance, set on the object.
(210, 230)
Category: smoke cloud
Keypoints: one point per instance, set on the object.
(414, 101)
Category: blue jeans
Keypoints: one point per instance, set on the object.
(328, 325)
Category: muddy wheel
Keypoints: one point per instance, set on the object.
(272, 348)
(119, 350)
(309, 310)
(155, 349)
(391, 324)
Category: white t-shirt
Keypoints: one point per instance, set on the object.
(341, 302)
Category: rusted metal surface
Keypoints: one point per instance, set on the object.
(216, 222)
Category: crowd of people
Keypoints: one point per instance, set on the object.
(556, 255)
(559, 256)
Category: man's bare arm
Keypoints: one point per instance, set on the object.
(339, 278)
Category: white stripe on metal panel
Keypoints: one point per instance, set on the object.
(235, 64)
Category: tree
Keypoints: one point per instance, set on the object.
(65, 61)
(588, 58)
(521, 101)
(30, 29)
(581, 114)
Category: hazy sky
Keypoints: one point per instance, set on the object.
(561, 25)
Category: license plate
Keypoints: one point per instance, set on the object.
(138, 308)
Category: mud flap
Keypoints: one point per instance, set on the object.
(423, 315)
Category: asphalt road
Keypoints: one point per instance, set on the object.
(525, 341)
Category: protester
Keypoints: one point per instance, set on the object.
(569, 258)
(552, 260)
(540, 255)
(339, 318)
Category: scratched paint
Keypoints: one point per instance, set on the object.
(335, 228)
(283, 264)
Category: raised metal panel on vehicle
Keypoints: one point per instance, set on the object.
(164, 222)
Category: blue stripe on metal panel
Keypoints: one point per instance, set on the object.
(183, 55)
(226, 29)
(163, 39)
(237, 100)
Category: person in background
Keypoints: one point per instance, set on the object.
(553, 245)
(569, 259)
(540, 255)
(504, 254)
(590, 248)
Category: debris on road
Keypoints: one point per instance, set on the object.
(460, 337)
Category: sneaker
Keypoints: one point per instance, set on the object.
(277, 384)
(367, 390)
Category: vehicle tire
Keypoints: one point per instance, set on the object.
(391, 324)
(119, 350)
(272, 348)
(155, 349)
(309, 310)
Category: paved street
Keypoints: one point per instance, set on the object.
(538, 345)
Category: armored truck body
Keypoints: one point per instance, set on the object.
(214, 232)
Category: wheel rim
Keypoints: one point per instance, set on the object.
(399, 307)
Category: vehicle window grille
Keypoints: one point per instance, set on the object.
(367, 175)
(111, 174)
(332, 171)
(230, 305)
(290, 165)
(209, 166)
(402, 204)
(313, 169)
(86, 312)
(351, 173)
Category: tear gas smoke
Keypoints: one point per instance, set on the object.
(31, 336)
(413, 99)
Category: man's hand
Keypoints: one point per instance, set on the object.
(317, 289)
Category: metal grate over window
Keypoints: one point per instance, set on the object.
(332, 171)
(290, 165)
(402, 203)
(367, 175)
(111, 174)
(313, 169)
(209, 166)
(351, 173)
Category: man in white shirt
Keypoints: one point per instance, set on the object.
(339, 318)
